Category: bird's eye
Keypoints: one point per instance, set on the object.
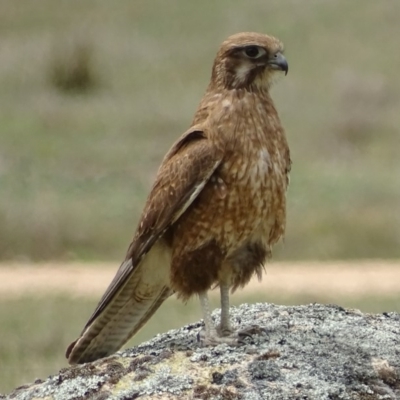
(254, 51)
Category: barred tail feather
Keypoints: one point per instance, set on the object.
(127, 311)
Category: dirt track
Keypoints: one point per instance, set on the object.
(79, 279)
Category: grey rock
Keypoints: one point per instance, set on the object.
(313, 352)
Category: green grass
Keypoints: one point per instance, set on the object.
(75, 168)
(35, 331)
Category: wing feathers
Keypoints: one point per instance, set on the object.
(142, 282)
(183, 174)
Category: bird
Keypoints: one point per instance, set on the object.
(215, 210)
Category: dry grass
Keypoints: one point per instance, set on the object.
(361, 278)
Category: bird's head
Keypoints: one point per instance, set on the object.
(249, 61)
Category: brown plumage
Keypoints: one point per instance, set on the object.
(216, 207)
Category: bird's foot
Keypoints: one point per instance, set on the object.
(225, 330)
(228, 335)
(250, 331)
(213, 339)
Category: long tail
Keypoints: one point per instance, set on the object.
(118, 318)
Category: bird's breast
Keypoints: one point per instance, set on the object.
(245, 198)
(255, 199)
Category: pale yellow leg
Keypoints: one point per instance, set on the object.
(210, 336)
(225, 328)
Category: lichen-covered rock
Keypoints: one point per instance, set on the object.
(306, 352)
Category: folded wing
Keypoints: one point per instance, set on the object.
(142, 281)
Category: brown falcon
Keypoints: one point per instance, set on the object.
(217, 206)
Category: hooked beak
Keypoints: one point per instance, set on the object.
(278, 61)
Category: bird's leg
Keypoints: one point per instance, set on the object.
(210, 337)
(205, 307)
(225, 328)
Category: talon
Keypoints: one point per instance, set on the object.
(214, 339)
(251, 331)
(243, 334)
(225, 331)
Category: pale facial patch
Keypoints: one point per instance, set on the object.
(242, 72)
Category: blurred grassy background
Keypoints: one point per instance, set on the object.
(92, 95)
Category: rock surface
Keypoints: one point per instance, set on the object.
(304, 352)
